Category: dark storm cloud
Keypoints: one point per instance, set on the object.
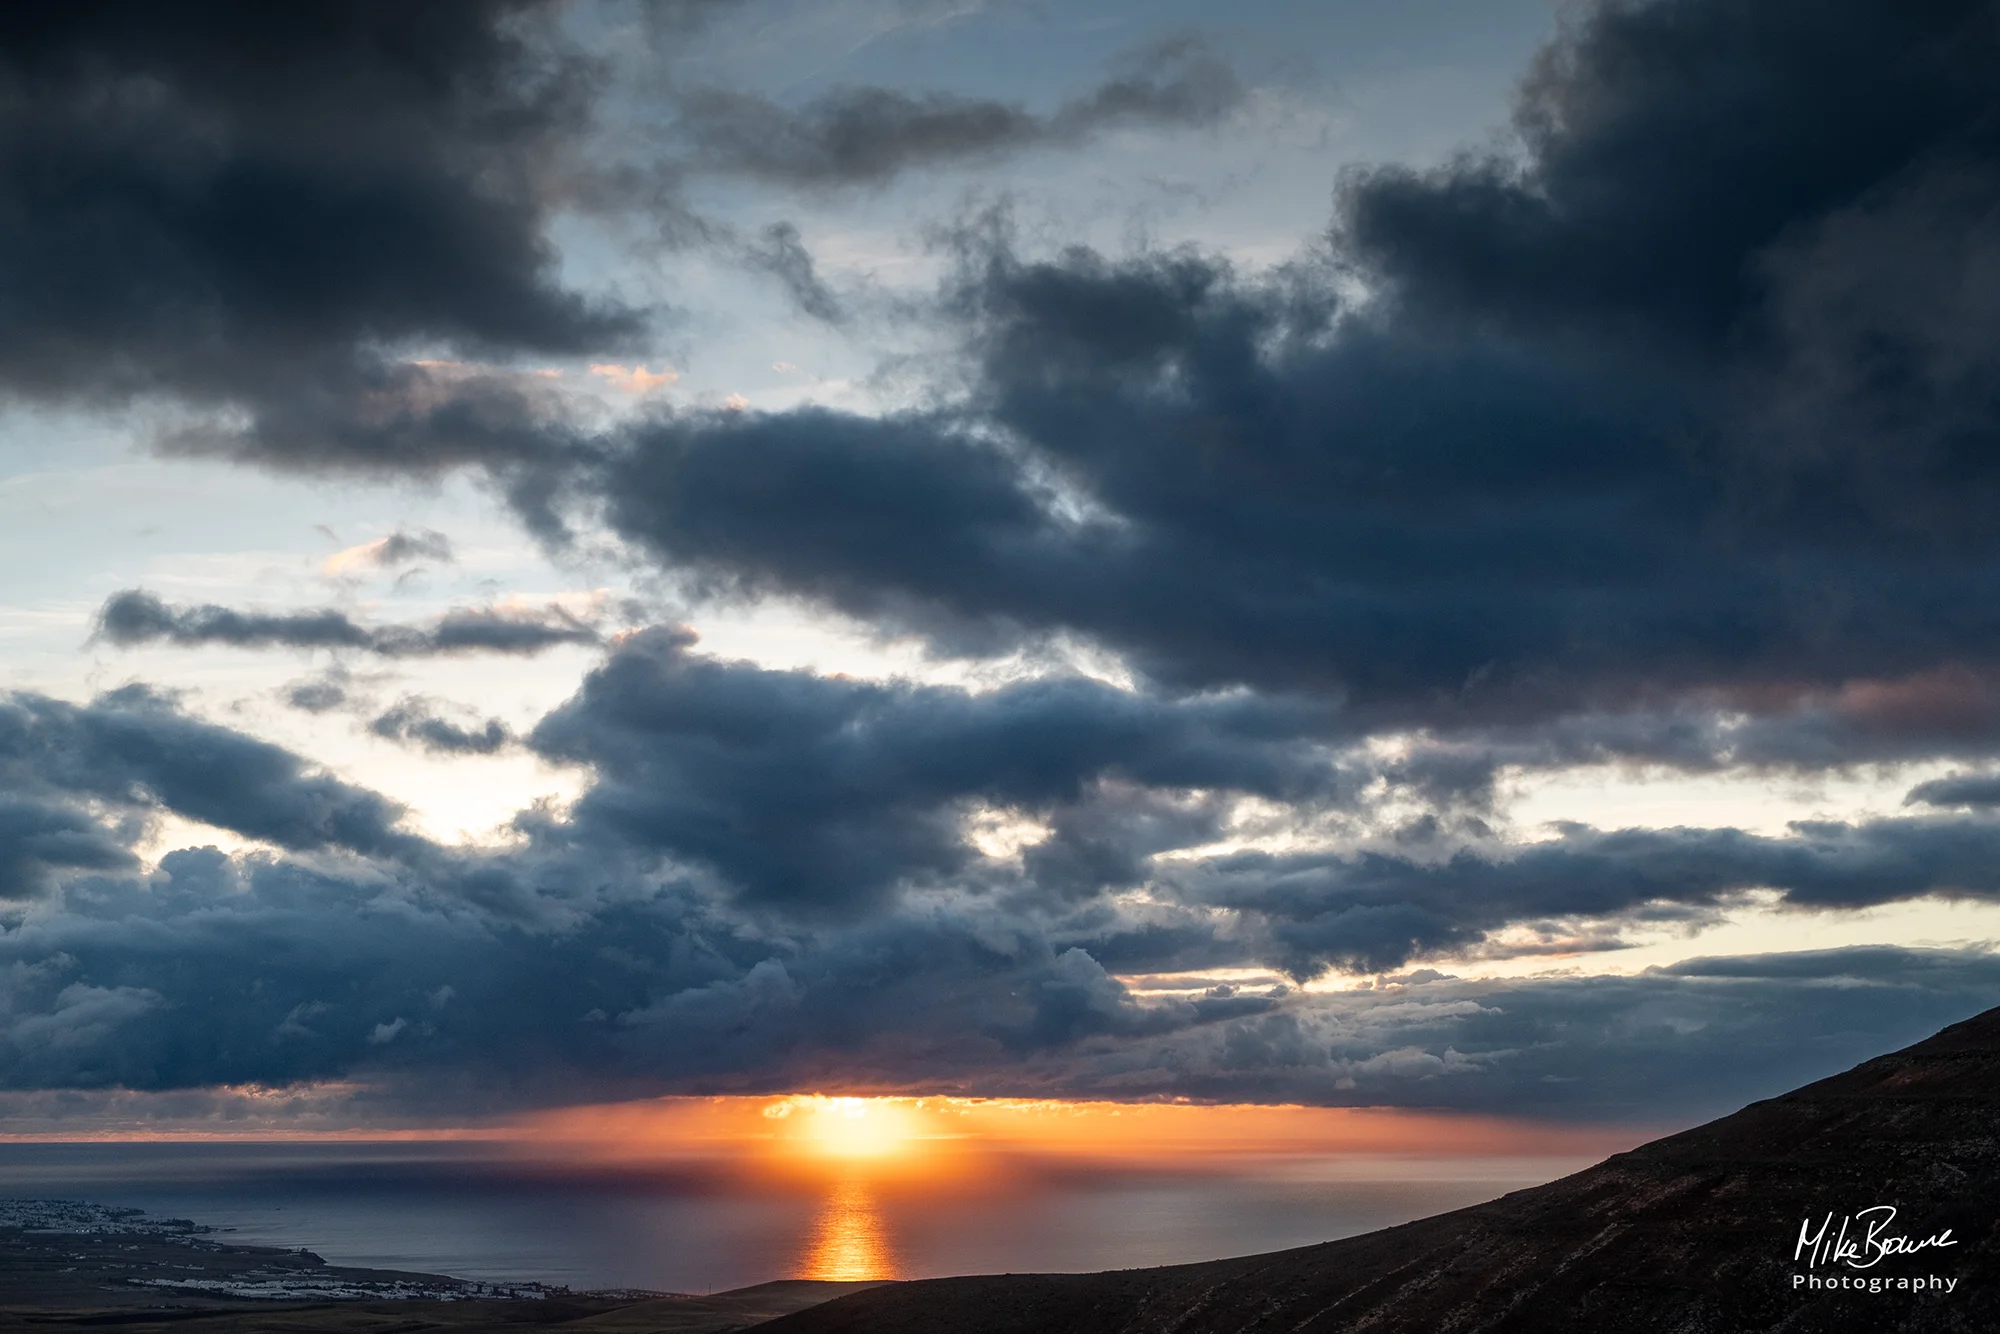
(220, 970)
(1804, 203)
(84, 783)
(1434, 529)
(254, 970)
(260, 969)
(322, 234)
(841, 507)
(815, 796)
(413, 963)
(1373, 911)
(868, 136)
(1568, 455)
(823, 794)
(133, 749)
(138, 617)
(1958, 790)
(416, 721)
(39, 840)
(243, 205)
(1667, 147)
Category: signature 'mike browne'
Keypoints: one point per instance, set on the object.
(1869, 1248)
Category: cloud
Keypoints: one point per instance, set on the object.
(573, 962)
(221, 971)
(1958, 790)
(133, 749)
(323, 693)
(416, 721)
(779, 252)
(192, 234)
(823, 800)
(1669, 1044)
(824, 795)
(634, 379)
(39, 840)
(136, 617)
(272, 970)
(243, 210)
(1539, 468)
(1665, 147)
(1373, 911)
(866, 136)
(398, 548)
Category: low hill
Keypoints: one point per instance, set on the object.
(1697, 1233)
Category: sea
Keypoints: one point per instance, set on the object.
(462, 1209)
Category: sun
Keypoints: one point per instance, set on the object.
(858, 1127)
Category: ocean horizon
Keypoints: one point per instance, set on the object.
(471, 1210)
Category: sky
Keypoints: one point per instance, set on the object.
(1423, 556)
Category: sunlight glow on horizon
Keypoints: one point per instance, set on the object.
(850, 1127)
(929, 1137)
(952, 1137)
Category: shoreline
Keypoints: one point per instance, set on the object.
(75, 1263)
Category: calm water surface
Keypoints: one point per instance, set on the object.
(462, 1209)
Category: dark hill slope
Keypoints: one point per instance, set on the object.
(1692, 1234)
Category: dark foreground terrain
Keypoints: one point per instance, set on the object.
(81, 1267)
(1692, 1234)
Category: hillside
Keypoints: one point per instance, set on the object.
(1694, 1234)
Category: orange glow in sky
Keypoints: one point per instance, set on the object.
(908, 1134)
(946, 1136)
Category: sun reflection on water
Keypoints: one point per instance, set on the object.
(849, 1239)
